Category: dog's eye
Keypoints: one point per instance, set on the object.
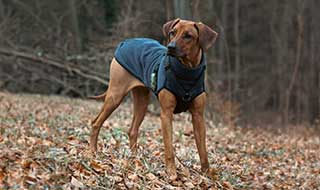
(171, 34)
(187, 36)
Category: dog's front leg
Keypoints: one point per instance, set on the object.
(197, 111)
(166, 125)
(168, 102)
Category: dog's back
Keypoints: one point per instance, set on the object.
(139, 56)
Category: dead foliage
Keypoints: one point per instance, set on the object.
(44, 145)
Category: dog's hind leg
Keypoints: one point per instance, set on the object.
(110, 104)
(121, 82)
(141, 96)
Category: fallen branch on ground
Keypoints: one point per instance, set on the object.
(44, 59)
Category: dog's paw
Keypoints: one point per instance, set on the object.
(212, 173)
(172, 173)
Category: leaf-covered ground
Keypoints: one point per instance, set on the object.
(44, 145)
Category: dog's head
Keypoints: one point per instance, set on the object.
(186, 37)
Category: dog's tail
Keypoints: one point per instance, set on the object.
(98, 97)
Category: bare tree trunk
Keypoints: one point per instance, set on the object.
(169, 10)
(314, 70)
(221, 48)
(76, 34)
(224, 50)
(195, 10)
(237, 46)
(182, 9)
(279, 38)
(300, 27)
(1, 10)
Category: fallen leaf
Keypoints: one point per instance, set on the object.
(76, 183)
(133, 177)
(151, 177)
(2, 176)
(31, 180)
(96, 166)
(138, 164)
(26, 163)
(189, 185)
(156, 153)
(227, 185)
(117, 179)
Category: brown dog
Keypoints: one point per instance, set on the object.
(187, 42)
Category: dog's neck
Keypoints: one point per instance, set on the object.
(192, 60)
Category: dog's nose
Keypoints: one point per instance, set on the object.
(171, 46)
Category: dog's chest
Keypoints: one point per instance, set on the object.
(184, 83)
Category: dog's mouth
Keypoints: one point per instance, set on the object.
(171, 52)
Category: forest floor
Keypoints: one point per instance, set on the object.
(44, 145)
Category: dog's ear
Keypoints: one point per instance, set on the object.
(168, 26)
(207, 36)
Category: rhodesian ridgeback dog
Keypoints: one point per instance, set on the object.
(187, 42)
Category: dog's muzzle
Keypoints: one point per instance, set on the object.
(172, 49)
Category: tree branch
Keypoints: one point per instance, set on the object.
(52, 62)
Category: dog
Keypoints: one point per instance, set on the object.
(174, 73)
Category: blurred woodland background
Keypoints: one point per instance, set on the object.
(264, 66)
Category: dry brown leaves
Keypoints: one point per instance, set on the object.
(43, 143)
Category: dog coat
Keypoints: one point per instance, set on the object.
(147, 60)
